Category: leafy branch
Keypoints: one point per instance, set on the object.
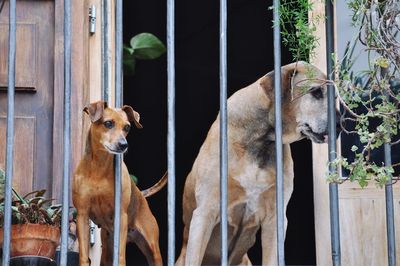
(370, 98)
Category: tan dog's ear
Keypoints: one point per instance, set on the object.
(132, 115)
(267, 81)
(95, 110)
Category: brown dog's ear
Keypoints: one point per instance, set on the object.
(95, 110)
(132, 115)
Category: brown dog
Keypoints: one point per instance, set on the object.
(93, 189)
(251, 166)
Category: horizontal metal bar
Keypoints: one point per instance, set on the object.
(171, 129)
(10, 132)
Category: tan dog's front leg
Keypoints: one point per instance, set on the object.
(83, 237)
(268, 240)
(201, 227)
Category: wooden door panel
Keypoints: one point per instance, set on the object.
(24, 146)
(26, 61)
(34, 97)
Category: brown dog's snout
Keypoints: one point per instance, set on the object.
(122, 144)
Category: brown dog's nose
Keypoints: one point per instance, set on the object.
(122, 145)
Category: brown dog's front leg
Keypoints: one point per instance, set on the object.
(83, 237)
(123, 233)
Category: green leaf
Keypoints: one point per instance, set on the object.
(134, 178)
(382, 62)
(147, 46)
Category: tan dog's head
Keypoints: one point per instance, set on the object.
(110, 126)
(304, 102)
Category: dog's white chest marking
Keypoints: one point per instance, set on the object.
(254, 181)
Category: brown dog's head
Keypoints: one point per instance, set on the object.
(304, 102)
(110, 126)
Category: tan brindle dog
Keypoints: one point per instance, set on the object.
(251, 167)
(93, 189)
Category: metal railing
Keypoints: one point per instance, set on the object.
(106, 76)
(171, 129)
(333, 187)
(10, 131)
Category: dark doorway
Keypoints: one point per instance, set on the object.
(250, 55)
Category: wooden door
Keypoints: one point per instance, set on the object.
(39, 97)
(34, 93)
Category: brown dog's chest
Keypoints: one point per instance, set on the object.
(102, 212)
(101, 203)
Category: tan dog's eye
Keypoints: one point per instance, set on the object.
(127, 128)
(109, 124)
(317, 93)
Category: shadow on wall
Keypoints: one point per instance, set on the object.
(197, 102)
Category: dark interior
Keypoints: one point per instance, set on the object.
(250, 55)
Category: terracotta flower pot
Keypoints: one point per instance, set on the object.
(33, 239)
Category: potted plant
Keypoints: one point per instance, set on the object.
(35, 229)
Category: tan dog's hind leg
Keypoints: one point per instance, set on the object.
(202, 224)
(245, 235)
(83, 237)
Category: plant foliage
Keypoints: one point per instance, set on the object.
(143, 46)
(297, 29)
(33, 208)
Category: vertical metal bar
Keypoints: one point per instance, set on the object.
(171, 129)
(223, 137)
(105, 50)
(390, 228)
(10, 131)
(333, 187)
(280, 215)
(118, 103)
(67, 133)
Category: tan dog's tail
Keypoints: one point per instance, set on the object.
(157, 187)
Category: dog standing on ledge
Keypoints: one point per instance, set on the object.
(93, 189)
(251, 167)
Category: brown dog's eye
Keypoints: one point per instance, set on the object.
(109, 124)
(127, 128)
(316, 92)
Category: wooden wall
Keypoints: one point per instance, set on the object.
(362, 211)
